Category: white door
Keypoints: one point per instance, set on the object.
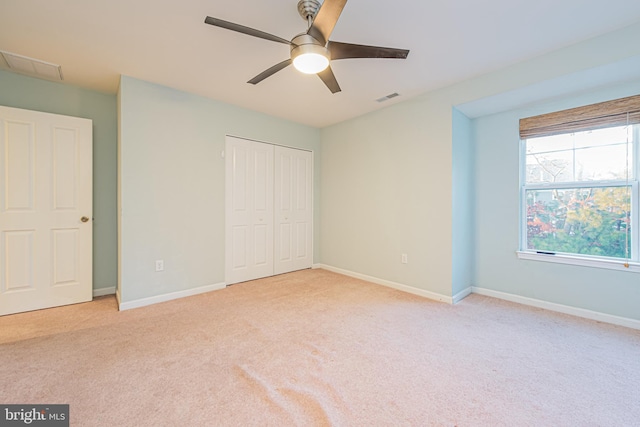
(249, 210)
(45, 210)
(293, 210)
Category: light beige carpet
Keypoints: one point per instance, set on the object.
(317, 348)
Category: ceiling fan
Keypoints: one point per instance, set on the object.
(312, 51)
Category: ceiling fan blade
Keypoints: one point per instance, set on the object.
(325, 20)
(330, 80)
(269, 72)
(347, 50)
(244, 30)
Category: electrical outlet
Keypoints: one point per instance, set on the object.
(159, 265)
(404, 259)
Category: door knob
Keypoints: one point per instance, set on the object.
(84, 219)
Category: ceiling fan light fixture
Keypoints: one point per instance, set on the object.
(311, 63)
(310, 58)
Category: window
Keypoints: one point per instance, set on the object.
(579, 185)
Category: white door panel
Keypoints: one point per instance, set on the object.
(19, 260)
(249, 210)
(46, 188)
(65, 169)
(302, 245)
(65, 257)
(19, 164)
(293, 210)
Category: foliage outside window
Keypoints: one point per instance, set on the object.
(580, 193)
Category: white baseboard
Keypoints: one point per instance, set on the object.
(104, 291)
(462, 295)
(167, 297)
(580, 312)
(388, 283)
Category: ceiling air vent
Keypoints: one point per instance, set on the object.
(32, 67)
(388, 97)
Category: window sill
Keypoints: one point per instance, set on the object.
(634, 267)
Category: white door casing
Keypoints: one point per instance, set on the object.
(293, 210)
(249, 210)
(45, 192)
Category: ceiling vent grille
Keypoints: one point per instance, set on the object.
(388, 97)
(32, 67)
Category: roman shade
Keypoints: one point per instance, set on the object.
(618, 112)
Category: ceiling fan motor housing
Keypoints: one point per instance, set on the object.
(305, 45)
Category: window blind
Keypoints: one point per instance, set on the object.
(618, 112)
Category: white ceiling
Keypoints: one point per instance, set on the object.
(167, 42)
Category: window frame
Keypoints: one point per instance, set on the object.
(624, 264)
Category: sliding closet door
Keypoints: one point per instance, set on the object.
(293, 210)
(249, 210)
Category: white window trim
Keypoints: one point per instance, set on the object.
(609, 264)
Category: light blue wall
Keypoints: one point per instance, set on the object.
(386, 190)
(463, 203)
(172, 184)
(397, 180)
(497, 222)
(34, 94)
